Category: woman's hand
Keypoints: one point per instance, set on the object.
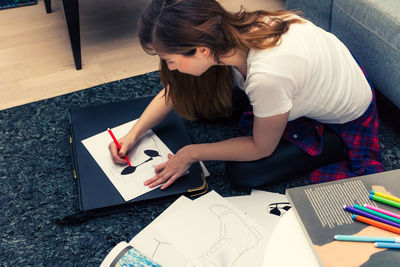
(171, 170)
(117, 155)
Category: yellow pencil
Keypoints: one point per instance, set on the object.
(393, 198)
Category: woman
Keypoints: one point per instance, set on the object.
(298, 78)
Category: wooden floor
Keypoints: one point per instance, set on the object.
(36, 58)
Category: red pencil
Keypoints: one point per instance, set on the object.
(118, 145)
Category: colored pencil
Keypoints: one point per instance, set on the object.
(379, 214)
(387, 245)
(118, 145)
(385, 200)
(390, 197)
(369, 221)
(373, 217)
(382, 211)
(359, 238)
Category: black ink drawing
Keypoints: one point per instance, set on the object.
(149, 152)
(279, 208)
(146, 150)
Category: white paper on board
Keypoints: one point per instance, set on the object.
(130, 185)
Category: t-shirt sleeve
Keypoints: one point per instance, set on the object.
(269, 94)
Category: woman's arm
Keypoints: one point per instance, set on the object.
(267, 133)
(154, 113)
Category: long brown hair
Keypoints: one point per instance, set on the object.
(180, 26)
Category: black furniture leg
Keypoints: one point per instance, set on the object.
(47, 3)
(71, 11)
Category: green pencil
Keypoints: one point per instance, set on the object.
(385, 201)
(387, 217)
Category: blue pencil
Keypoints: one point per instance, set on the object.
(359, 238)
(387, 245)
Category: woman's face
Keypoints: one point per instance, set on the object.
(195, 65)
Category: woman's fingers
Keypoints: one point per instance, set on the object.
(158, 182)
(167, 172)
(155, 181)
(170, 181)
(162, 176)
(115, 155)
(125, 148)
(158, 179)
(158, 170)
(150, 181)
(160, 167)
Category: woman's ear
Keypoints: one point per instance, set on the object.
(204, 51)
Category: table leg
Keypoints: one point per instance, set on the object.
(71, 11)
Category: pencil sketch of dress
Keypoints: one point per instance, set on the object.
(235, 238)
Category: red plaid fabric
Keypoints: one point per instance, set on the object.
(359, 136)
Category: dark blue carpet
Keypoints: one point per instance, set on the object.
(37, 186)
(16, 3)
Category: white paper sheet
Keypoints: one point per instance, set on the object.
(130, 185)
(210, 231)
(288, 246)
(155, 246)
(258, 206)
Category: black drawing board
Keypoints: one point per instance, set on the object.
(95, 189)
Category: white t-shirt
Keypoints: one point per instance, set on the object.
(311, 73)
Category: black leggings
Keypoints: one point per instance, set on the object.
(287, 162)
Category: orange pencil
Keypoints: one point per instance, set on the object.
(376, 223)
(118, 145)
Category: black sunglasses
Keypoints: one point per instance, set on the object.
(275, 208)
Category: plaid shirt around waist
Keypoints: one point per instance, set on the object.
(359, 136)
